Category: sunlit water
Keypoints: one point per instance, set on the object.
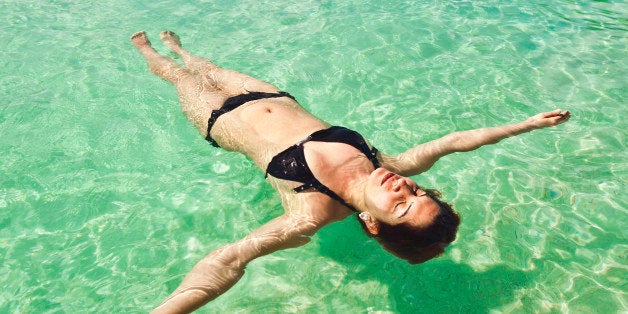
(108, 196)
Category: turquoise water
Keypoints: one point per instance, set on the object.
(108, 196)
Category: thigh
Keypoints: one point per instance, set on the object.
(199, 92)
(197, 100)
(234, 83)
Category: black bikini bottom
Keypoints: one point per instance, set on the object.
(235, 102)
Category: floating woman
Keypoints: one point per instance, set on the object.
(323, 173)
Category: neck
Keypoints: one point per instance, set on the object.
(352, 189)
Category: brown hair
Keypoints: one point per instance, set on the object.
(418, 245)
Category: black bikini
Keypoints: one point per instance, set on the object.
(290, 164)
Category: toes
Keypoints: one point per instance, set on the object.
(170, 36)
(167, 34)
(138, 35)
(139, 39)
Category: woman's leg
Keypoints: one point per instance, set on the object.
(194, 63)
(230, 82)
(161, 66)
(197, 99)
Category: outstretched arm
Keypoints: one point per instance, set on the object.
(223, 267)
(422, 157)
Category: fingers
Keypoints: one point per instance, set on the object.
(552, 113)
(564, 116)
(560, 117)
(555, 113)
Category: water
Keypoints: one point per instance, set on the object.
(108, 196)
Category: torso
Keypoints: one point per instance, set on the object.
(262, 128)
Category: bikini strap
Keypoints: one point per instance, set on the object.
(314, 183)
(210, 123)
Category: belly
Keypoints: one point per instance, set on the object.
(283, 124)
(262, 128)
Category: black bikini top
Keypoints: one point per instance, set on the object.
(290, 164)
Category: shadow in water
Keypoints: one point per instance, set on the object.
(437, 286)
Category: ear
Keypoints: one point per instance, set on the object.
(371, 224)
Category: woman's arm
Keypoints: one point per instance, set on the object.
(422, 157)
(223, 267)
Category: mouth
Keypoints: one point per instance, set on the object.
(386, 177)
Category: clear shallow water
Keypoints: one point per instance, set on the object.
(108, 196)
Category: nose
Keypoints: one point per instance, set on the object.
(398, 184)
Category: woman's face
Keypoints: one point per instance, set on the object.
(394, 199)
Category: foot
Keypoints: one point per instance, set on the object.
(171, 39)
(140, 40)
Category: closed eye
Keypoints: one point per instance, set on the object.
(397, 206)
(405, 211)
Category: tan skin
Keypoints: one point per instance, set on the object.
(260, 129)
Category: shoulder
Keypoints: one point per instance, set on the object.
(390, 162)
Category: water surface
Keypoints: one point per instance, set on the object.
(108, 196)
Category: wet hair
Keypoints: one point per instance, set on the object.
(418, 245)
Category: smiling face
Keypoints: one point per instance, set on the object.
(395, 200)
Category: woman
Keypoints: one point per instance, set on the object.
(333, 170)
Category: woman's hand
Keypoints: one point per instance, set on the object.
(546, 119)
